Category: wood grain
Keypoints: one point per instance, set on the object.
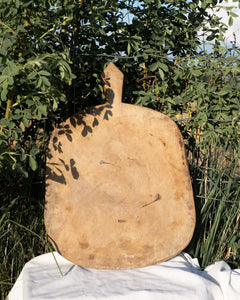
(118, 190)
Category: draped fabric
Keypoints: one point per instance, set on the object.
(178, 278)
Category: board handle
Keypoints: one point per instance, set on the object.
(113, 85)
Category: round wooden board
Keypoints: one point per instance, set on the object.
(118, 191)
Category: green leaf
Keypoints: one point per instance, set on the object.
(17, 116)
(33, 163)
(55, 105)
(102, 31)
(34, 151)
(134, 45)
(32, 75)
(39, 83)
(25, 122)
(128, 48)
(195, 72)
(45, 81)
(14, 135)
(44, 73)
(23, 156)
(29, 102)
(234, 14)
(62, 72)
(66, 66)
(24, 172)
(153, 66)
(42, 109)
(4, 94)
(13, 68)
(230, 21)
(3, 78)
(17, 3)
(222, 92)
(164, 67)
(160, 71)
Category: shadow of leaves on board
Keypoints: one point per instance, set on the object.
(55, 171)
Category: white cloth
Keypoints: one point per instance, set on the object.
(178, 278)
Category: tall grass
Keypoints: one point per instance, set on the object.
(22, 232)
(217, 198)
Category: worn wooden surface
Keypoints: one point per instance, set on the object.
(118, 191)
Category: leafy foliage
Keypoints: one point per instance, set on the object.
(43, 44)
(34, 70)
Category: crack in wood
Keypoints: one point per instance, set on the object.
(157, 199)
(104, 163)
